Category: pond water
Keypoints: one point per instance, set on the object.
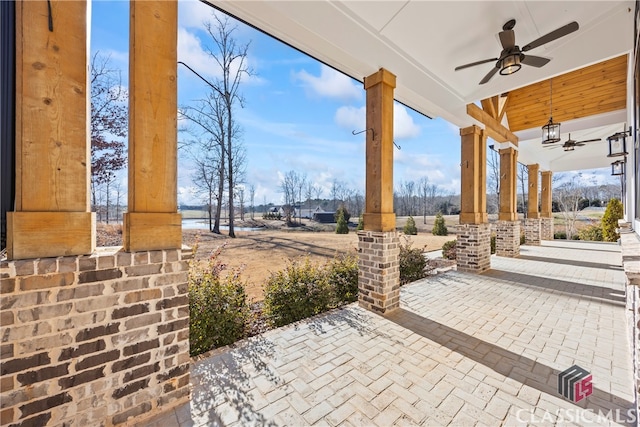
(194, 224)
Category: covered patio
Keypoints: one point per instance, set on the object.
(99, 337)
(462, 349)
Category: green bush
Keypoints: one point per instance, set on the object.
(342, 274)
(412, 263)
(345, 213)
(591, 232)
(439, 227)
(610, 220)
(299, 291)
(559, 235)
(523, 239)
(342, 227)
(449, 249)
(493, 243)
(410, 227)
(218, 308)
(360, 223)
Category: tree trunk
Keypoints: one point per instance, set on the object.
(216, 226)
(230, 162)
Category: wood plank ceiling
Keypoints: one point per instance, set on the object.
(597, 89)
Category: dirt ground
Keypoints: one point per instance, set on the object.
(258, 253)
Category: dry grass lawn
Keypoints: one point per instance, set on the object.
(259, 253)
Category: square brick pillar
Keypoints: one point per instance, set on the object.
(508, 238)
(532, 231)
(473, 250)
(473, 247)
(378, 245)
(546, 228)
(379, 270)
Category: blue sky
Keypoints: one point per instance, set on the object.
(298, 115)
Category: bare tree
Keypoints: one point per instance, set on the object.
(252, 198)
(523, 179)
(240, 194)
(335, 187)
(208, 150)
(118, 189)
(231, 59)
(300, 184)
(493, 179)
(206, 179)
(568, 195)
(109, 122)
(407, 194)
(423, 191)
(288, 186)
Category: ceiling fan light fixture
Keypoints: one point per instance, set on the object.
(569, 148)
(510, 64)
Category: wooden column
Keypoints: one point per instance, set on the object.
(473, 203)
(546, 207)
(508, 184)
(532, 199)
(52, 209)
(153, 221)
(379, 214)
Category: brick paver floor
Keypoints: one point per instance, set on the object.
(463, 350)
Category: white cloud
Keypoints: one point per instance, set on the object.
(330, 84)
(403, 125)
(355, 119)
(191, 52)
(193, 13)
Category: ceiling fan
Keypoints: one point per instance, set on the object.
(512, 56)
(571, 144)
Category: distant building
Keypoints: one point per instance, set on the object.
(325, 217)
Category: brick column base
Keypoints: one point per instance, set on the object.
(508, 238)
(532, 231)
(379, 270)
(546, 228)
(101, 339)
(473, 250)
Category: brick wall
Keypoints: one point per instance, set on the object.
(508, 238)
(379, 270)
(630, 243)
(532, 231)
(93, 340)
(546, 228)
(473, 248)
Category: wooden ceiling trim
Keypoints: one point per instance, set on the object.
(597, 89)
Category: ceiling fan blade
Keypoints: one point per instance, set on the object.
(535, 61)
(473, 64)
(588, 140)
(553, 35)
(489, 75)
(507, 39)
